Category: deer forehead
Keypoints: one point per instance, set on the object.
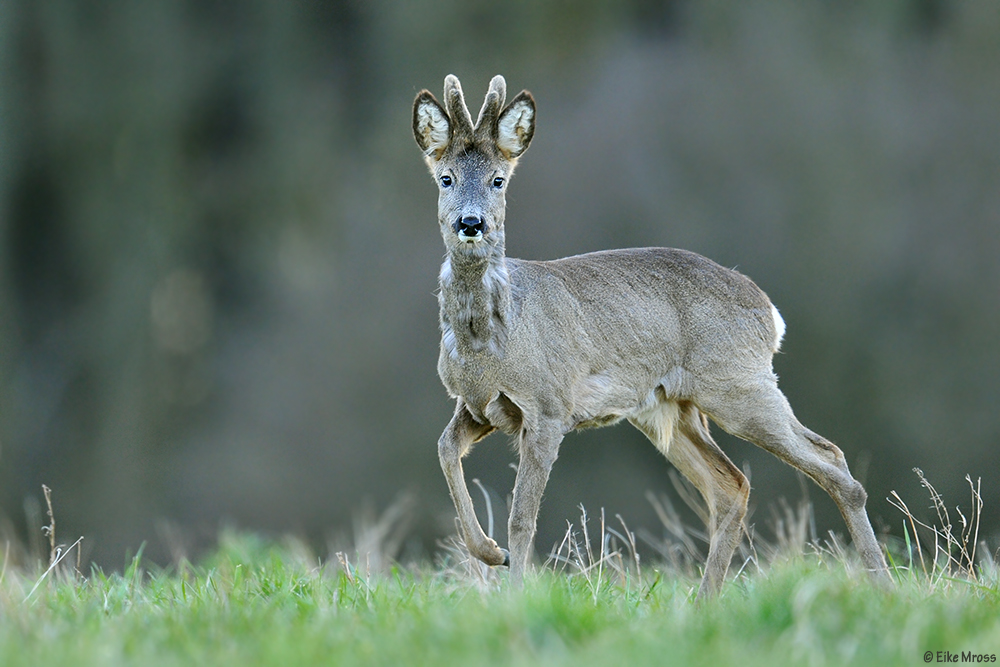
(479, 155)
(474, 164)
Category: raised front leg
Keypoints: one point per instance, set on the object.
(461, 433)
(538, 453)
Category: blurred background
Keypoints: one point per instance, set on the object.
(218, 246)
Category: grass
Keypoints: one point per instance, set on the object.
(258, 602)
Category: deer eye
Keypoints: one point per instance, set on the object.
(498, 182)
(446, 181)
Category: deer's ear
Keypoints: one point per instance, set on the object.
(431, 126)
(516, 125)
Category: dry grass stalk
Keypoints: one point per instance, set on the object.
(954, 553)
(615, 556)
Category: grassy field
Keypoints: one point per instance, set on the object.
(255, 602)
(795, 599)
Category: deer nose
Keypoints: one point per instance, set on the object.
(470, 225)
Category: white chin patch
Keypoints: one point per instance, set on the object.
(470, 239)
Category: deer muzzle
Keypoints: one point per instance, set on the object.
(470, 228)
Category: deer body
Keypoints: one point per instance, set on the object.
(661, 337)
(590, 373)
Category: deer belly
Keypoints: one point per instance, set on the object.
(600, 400)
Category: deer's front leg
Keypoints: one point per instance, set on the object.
(461, 433)
(538, 453)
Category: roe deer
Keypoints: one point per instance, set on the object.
(664, 338)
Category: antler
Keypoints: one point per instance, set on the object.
(457, 110)
(486, 125)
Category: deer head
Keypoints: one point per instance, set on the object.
(472, 163)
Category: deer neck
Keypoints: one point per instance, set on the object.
(475, 303)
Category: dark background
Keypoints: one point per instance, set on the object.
(218, 244)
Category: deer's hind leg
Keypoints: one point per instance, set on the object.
(760, 413)
(680, 431)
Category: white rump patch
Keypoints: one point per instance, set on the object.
(515, 128)
(779, 328)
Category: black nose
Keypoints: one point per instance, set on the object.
(470, 225)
